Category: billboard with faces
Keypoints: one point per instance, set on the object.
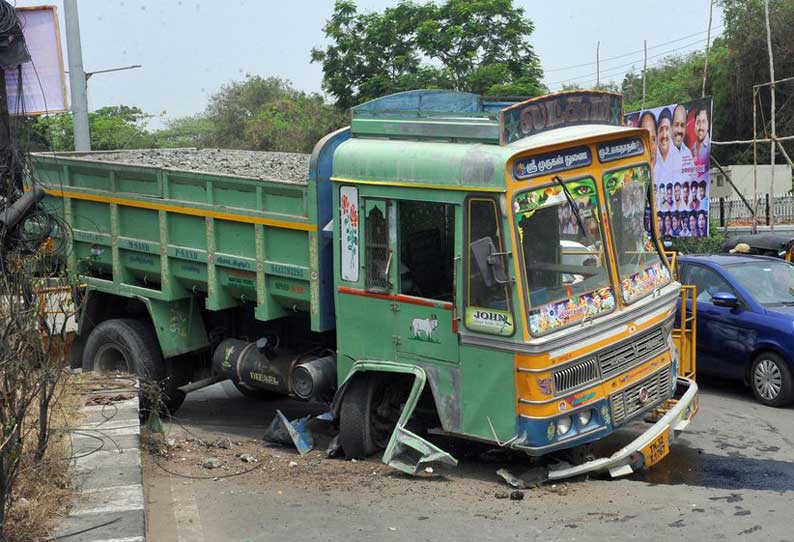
(680, 153)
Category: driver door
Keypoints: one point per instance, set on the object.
(723, 336)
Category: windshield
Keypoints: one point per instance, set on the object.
(563, 255)
(770, 282)
(640, 266)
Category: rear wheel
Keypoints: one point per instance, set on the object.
(131, 346)
(771, 380)
(370, 410)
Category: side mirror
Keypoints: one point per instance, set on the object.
(489, 262)
(725, 299)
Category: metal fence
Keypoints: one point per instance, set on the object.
(736, 211)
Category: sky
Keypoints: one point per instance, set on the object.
(190, 48)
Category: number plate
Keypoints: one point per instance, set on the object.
(657, 449)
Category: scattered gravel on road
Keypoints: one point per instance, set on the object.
(286, 167)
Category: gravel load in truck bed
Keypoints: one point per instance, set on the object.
(275, 166)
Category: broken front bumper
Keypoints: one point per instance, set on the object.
(632, 457)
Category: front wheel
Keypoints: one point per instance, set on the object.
(370, 410)
(771, 380)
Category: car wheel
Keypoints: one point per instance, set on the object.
(771, 380)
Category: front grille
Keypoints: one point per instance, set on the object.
(626, 403)
(624, 356)
(576, 375)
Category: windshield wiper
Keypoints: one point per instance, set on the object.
(572, 203)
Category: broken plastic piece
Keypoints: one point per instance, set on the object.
(295, 432)
(411, 453)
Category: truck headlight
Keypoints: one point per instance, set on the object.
(584, 417)
(564, 425)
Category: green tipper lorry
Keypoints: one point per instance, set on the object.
(480, 268)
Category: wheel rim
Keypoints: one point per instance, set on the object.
(768, 380)
(110, 358)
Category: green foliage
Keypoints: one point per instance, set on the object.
(111, 128)
(264, 114)
(478, 46)
(195, 131)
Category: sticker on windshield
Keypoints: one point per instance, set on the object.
(643, 282)
(557, 315)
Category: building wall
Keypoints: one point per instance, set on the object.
(742, 177)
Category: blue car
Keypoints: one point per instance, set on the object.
(745, 321)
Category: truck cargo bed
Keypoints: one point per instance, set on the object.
(227, 227)
(285, 167)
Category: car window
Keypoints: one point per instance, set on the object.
(707, 281)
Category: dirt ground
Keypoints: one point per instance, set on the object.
(731, 476)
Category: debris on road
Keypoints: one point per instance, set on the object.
(223, 443)
(247, 458)
(295, 432)
(533, 477)
(292, 464)
(516, 495)
(211, 463)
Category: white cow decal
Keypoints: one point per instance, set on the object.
(423, 329)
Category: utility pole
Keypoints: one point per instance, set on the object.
(708, 43)
(773, 135)
(77, 80)
(598, 65)
(644, 69)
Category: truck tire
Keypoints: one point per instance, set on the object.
(124, 344)
(370, 409)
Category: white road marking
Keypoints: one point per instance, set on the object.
(188, 523)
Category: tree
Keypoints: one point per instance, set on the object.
(476, 46)
(266, 114)
(113, 127)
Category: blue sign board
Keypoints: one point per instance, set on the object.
(615, 150)
(553, 162)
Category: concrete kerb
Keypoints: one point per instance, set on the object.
(107, 467)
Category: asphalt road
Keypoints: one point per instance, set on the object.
(730, 477)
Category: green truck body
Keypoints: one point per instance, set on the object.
(363, 258)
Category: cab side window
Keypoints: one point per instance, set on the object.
(427, 246)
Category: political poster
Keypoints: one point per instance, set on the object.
(680, 154)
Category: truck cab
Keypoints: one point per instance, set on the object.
(505, 252)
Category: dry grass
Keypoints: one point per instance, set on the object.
(42, 491)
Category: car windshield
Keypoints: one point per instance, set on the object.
(640, 266)
(563, 255)
(770, 282)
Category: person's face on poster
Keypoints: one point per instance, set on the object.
(675, 222)
(702, 125)
(664, 136)
(669, 194)
(647, 123)
(702, 223)
(693, 222)
(694, 186)
(679, 126)
(660, 223)
(667, 224)
(677, 190)
(701, 192)
(685, 192)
